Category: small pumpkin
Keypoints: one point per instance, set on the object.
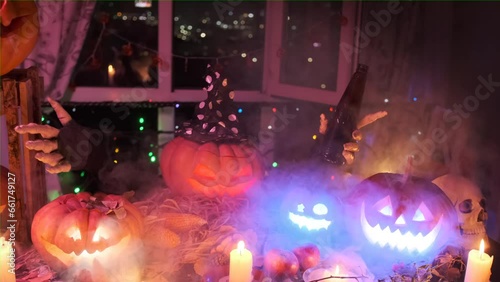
(404, 214)
(209, 155)
(18, 32)
(77, 229)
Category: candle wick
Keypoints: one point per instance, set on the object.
(481, 256)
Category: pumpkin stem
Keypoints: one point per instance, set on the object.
(409, 165)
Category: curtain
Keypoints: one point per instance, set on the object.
(63, 27)
(408, 49)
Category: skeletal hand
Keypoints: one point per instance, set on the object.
(47, 147)
(353, 147)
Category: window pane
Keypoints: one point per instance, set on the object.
(129, 44)
(311, 38)
(204, 31)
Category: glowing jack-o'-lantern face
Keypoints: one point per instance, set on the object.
(307, 210)
(407, 215)
(73, 230)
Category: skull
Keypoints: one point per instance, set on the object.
(470, 206)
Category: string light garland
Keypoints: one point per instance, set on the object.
(92, 56)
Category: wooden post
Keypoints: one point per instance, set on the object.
(12, 113)
(21, 100)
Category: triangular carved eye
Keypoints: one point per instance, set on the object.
(384, 206)
(423, 213)
(74, 233)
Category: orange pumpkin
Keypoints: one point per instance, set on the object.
(79, 227)
(213, 169)
(18, 32)
(210, 155)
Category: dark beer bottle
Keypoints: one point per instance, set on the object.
(345, 119)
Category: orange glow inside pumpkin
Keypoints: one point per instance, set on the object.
(105, 259)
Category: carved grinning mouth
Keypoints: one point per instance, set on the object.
(309, 223)
(396, 239)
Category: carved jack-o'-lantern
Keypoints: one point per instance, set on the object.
(80, 229)
(18, 32)
(310, 210)
(210, 168)
(209, 155)
(409, 215)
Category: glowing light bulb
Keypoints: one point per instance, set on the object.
(77, 190)
(275, 164)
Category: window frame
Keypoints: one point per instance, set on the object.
(272, 89)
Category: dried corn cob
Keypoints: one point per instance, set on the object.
(161, 237)
(183, 222)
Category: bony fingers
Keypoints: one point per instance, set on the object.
(63, 116)
(45, 131)
(63, 166)
(51, 159)
(371, 118)
(357, 135)
(351, 147)
(348, 156)
(45, 146)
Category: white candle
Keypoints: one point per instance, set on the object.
(240, 264)
(6, 272)
(478, 265)
(111, 74)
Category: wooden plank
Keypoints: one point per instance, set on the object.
(38, 190)
(35, 192)
(38, 93)
(12, 115)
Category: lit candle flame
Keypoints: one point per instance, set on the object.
(337, 270)
(241, 246)
(481, 249)
(111, 70)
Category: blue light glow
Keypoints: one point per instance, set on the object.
(396, 239)
(320, 209)
(309, 223)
